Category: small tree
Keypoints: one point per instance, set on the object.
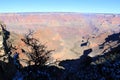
(39, 54)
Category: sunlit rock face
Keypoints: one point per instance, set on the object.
(68, 33)
(2, 52)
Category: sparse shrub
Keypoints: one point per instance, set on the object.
(38, 53)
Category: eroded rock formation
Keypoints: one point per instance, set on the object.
(64, 32)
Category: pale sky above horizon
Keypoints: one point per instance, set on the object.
(82, 6)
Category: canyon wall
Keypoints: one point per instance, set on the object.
(64, 32)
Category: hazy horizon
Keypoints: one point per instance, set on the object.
(57, 12)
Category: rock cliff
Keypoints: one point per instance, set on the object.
(64, 32)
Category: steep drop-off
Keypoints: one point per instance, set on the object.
(67, 33)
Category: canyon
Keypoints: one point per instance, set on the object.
(66, 33)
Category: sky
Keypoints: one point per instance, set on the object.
(82, 6)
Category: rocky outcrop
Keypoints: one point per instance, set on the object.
(2, 52)
(4, 48)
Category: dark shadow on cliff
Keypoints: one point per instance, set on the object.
(75, 64)
(111, 38)
(101, 67)
(35, 72)
(7, 69)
